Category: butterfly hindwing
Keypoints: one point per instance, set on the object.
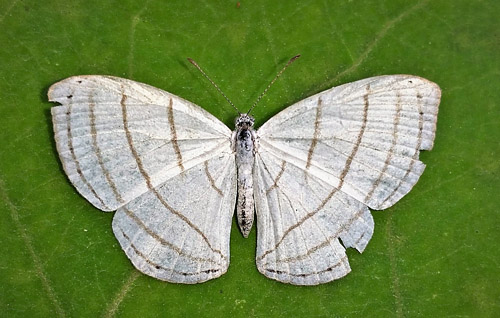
(300, 219)
(179, 231)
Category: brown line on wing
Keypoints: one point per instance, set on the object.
(161, 240)
(324, 243)
(97, 150)
(329, 269)
(173, 132)
(317, 121)
(341, 182)
(211, 179)
(149, 184)
(417, 148)
(77, 163)
(158, 266)
(278, 177)
(391, 149)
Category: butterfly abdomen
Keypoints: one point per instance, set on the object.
(244, 147)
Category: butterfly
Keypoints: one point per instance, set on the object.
(174, 173)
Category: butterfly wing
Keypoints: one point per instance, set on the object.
(163, 162)
(179, 231)
(118, 138)
(299, 220)
(349, 147)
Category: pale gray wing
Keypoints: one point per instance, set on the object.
(300, 219)
(118, 139)
(363, 137)
(349, 147)
(179, 231)
(164, 163)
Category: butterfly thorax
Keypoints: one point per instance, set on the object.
(243, 141)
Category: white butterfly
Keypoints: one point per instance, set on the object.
(171, 170)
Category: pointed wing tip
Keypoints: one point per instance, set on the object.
(60, 89)
(434, 85)
(55, 90)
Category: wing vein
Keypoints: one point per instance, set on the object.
(173, 132)
(149, 183)
(158, 266)
(415, 156)
(98, 153)
(341, 182)
(316, 133)
(324, 243)
(161, 240)
(211, 179)
(75, 159)
(390, 152)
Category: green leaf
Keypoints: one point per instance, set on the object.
(434, 254)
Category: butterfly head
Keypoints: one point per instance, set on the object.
(244, 121)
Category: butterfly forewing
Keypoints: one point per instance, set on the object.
(118, 138)
(363, 137)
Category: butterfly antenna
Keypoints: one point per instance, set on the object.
(215, 85)
(272, 82)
